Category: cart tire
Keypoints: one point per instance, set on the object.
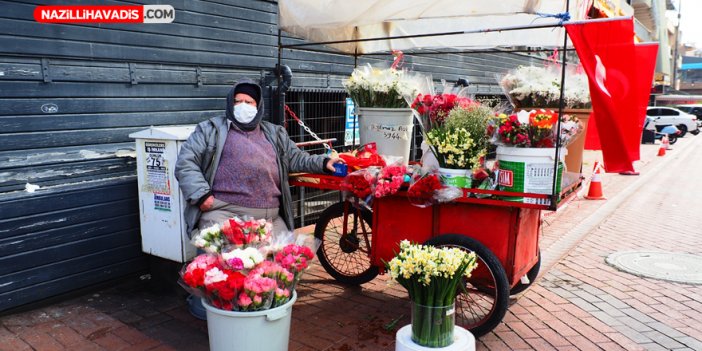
(531, 274)
(346, 256)
(484, 305)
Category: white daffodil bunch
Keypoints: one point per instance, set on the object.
(419, 268)
(432, 276)
(209, 239)
(375, 87)
(454, 147)
(530, 86)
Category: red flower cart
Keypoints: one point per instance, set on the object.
(503, 234)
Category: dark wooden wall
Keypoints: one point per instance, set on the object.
(69, 97)
(71, 94)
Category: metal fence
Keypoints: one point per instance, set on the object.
(324, 112)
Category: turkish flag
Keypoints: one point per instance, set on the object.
(645, 61)
(607, 53)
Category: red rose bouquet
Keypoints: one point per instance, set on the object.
(434, 109)
(422, 189)
(359, 183)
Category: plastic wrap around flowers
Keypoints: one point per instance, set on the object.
(433, 109)
(423, 188)
(536, 129)
(246, 268)
(373, 182)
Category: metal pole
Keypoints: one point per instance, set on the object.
(280, 119)
(409, 36)
(555, 191)
(675, 49)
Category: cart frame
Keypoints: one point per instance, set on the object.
(503, 234)
(356, 242)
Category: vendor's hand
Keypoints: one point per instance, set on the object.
(207, 204)
(332, 161)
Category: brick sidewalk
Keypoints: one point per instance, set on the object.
(580, 303)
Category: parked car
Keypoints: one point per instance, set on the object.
(672, 116)
(693, 109)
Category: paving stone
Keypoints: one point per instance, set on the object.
(663, 340)
(634, 324)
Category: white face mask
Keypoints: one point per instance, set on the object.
(244, 113)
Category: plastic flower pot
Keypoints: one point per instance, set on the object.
(529, 170)
(267, 330)
(460, 178)
(389, 128)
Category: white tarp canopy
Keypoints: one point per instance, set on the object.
(337, 20)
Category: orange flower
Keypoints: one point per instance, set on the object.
(543, 119)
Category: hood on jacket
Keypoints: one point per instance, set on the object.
(259, 104)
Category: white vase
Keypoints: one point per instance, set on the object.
(390, 129)
(267, 330)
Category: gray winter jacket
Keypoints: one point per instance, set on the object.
(200, 154)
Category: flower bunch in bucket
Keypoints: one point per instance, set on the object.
(534, 129)
(454, 147)
(433, 109)
(244, 267)
(432, 276)
(532, 86)
(371, 86)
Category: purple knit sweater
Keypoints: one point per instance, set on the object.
(247, 174)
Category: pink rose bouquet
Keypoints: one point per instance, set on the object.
(242, 269)
(389, 180)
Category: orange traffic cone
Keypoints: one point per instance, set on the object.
(595, 191)
(664, 146)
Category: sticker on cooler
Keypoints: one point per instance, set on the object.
(505, 178)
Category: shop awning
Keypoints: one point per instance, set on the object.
(340, 20)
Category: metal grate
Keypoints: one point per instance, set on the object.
(324, 112)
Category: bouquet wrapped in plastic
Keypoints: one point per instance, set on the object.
(531, 86)
(535, 129)
(246, 268)
(389, 180)
(423, 188)
(360, 183)
(363, 157)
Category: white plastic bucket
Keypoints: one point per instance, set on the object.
(460, 178)
(389, 128)
(529, 170)
(267, 330)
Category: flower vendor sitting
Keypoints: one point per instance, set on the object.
(238, 164)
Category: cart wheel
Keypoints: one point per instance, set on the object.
(484, 303)
(531, 274)
(346, 255)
